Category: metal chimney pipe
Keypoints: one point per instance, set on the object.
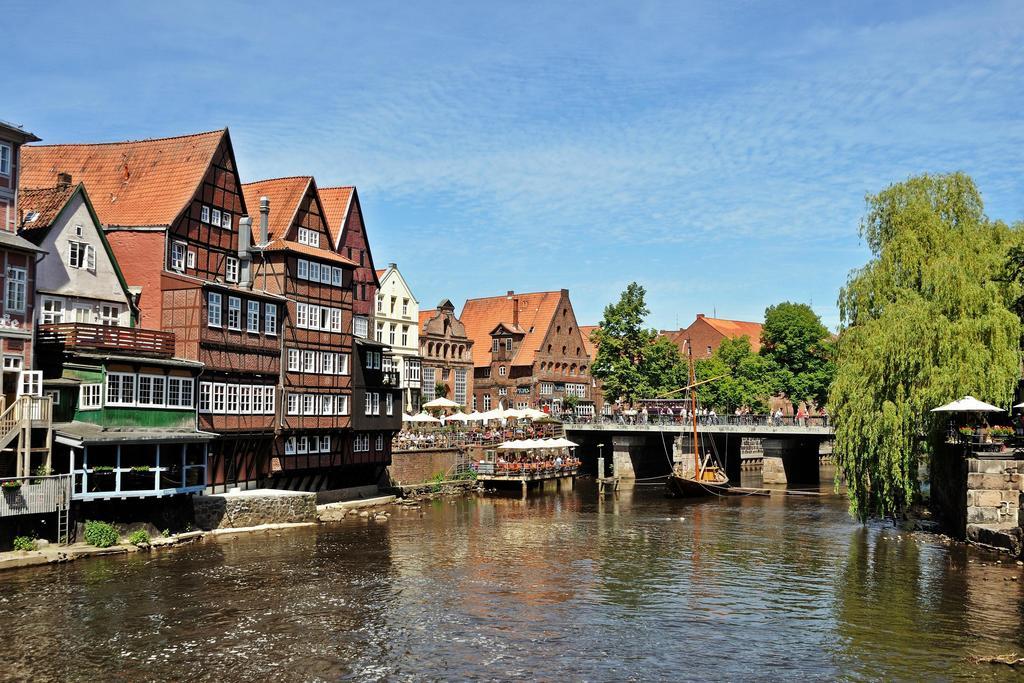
(244, 254)
(264, 221)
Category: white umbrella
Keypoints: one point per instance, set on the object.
(533, 413)
(441, 402)
(512, 412)
(458, 417)
(408, 418)
(968, 404)
(475, 416)
(1019, 405)
(423, 417)
(491, 415)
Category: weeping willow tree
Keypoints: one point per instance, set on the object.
(926, 321)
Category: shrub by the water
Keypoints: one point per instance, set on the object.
(100, 534)
(24, 543)
(139, 537)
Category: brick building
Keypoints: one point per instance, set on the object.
(447, 354)
(19, 256)
(591, 350)
(527, 352)
(345, 219)
(706, 335)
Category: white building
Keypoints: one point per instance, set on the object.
(396, 323)
(78, 281)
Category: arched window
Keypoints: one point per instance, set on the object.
(583, 370)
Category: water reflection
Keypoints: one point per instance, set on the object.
(565, 585)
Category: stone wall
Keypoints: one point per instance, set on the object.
(417, 467)
(993, 491)
(253, 508)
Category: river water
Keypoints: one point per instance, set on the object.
(560, 586)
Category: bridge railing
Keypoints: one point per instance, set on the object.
(703, 420)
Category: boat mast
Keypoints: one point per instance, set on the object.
(692, 378)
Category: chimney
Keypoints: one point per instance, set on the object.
(262, 238)
(510, 293)
(515, 310)
(63, 181)
(244, 256)
(393, 266)
(700, 315)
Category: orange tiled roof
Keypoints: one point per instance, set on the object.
(380, 273)
(481, 316)
(316, 252)
(134, 183)
(285, 195)
(45, 202)
(425, 317)
(588, 345)
(336, 203)
(738, 328)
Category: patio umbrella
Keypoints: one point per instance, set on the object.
(475, 417)
(533, 413)
(512, 413)
(423, 417)
(407, 418)
(441, 402)
(458, 417)
(967, 404)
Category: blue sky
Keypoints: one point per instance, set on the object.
(716, 152)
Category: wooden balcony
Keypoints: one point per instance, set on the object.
(133, 341)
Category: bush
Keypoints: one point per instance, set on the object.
(139, 537)
(100, 534)
(24, 543)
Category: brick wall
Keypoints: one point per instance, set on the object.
(416, 467)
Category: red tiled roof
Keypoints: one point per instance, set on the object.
(588, 345)
(316, 252)
(380, 273)
(481, 316)
(336, 203)
(45, 202)
(425, 317)
(134, 183)
(737, 328)
(285, 195)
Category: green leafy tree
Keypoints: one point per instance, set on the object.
(794, 338)
(441, 390)
(633, 361)
(744, 378)
(927, 320)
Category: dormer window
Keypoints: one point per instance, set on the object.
(508, 343)
(309, 237)
(501, 370)
(494, 345)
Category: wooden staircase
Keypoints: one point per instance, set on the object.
(16, 424)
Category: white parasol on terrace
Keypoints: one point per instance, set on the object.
(457, 417)
(475, 417)
(441, 402)
(495, 414)
(968, 404)
(533, 413)
(512, 413)
(423, 417)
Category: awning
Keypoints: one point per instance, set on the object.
(78, 434)
(968, 404)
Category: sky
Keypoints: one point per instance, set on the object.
(718, 153)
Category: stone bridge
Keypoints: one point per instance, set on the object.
(642, 450)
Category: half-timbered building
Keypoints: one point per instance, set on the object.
(296, 259)
(345, 219)
(171, 209)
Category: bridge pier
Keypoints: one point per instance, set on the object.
(790, 460)
(624, 448)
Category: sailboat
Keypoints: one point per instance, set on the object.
(708, 477)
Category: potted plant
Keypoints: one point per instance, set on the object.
(966, 432)
(11, 486)
(1000, 433)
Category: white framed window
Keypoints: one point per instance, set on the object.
(301, 315)
(252, 318)
(380, 332)
(389, 404)
(502, 391)
(225, 220)
(205, 397)
(325, 318)
(501, 370)
(6, 154)
(179, 392)
(380, 303)
(379, 445)
(460, 386)
(269, 402)
(326, 404)
(314, 444)
(314, 271)
(90, 396)
(215, 217)
(391, 334)
(361, 443)
(191, 259)
(293, 404)
(405, 335)
(405, 307)
(343, 366)
(335, 320)
(309, 404)
(325, 443)
(487, 402)
(289, 445)
(213, 309)
(81, 256)
(325, 275)
(303, 269)
(368, 403)
(508, 343)
(376, 403)
(303, 444)
(204, 214)
(178, 250)
(341, 403)
(270, 319)
(245, 399)
(150, 390)
(360, 326)
(293, 360)
(120, 389)
(336, 277)
(428, 385)
(234, 313)
(110, 314)
(218, 397)
(310, 237)
(314, 317)
(309, 361)
(547, 388)
(231, 269)
(17, 280)
(52, 310)
(231, 399)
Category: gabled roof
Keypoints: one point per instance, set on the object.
(536, 312)
(134, 183)
(380, 274)
(39, 207)
(12, 130)
(589, 346)
(737, 328)
(425, 317)
(285, 195)
(306, 250)
(337, 202)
